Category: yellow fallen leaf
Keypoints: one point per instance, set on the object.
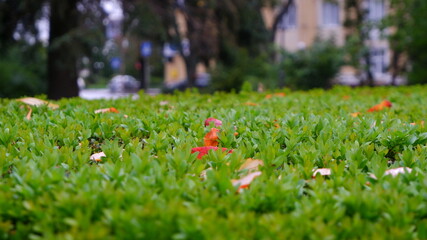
(355, 114)
(37, 102)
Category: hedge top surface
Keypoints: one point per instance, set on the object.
(260, 185)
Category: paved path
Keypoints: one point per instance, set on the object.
(103, 93)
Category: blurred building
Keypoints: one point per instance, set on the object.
(307, 20)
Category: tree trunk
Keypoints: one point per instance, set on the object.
(62, 57)
(395, 67)
(190, 64)
(369, 75)
(282, 12)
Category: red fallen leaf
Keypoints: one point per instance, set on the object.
(211, 138)
(106, 110)
(245, 181)
(322, 172)
(380, 106)
(217, 122)
(204, 150)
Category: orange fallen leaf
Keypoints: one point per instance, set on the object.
(355, 114)
(245, 181)
(97, 156)
(384, 104)
(251, 104)
(37, 102)
(322, 172)
(251, 165)
(421, 124)
(211, 138)
(281, 94)
(107, 110)
(346, 97)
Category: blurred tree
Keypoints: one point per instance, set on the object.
(409, 39)
(314, 67)
(213, 30)
(75, 28)
(283, 10)
(68, 36)
(62, 57)
(357, 38)
(175, 22)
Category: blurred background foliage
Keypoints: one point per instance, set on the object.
(313, 67)
(22, 70)
(232, 33)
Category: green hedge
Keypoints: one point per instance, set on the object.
(149, 185)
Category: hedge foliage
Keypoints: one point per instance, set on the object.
(149, 185)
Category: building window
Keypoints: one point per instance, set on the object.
(330, 13)
(376, 10)
(289, 20)
(378, 61)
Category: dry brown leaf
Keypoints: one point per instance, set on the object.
(203, 174)
(321, 171)
(251, 165)
(251, 104)
(37, 102)
(30, 110)
(245, 181)
(97, 156)
(107, 110)
(393, 172)
(396, 171)
(163, 103)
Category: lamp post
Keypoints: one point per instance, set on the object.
(145, 53)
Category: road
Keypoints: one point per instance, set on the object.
(104, 93)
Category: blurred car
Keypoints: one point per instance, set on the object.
(123, 84)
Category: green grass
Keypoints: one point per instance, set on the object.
(149, 185)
